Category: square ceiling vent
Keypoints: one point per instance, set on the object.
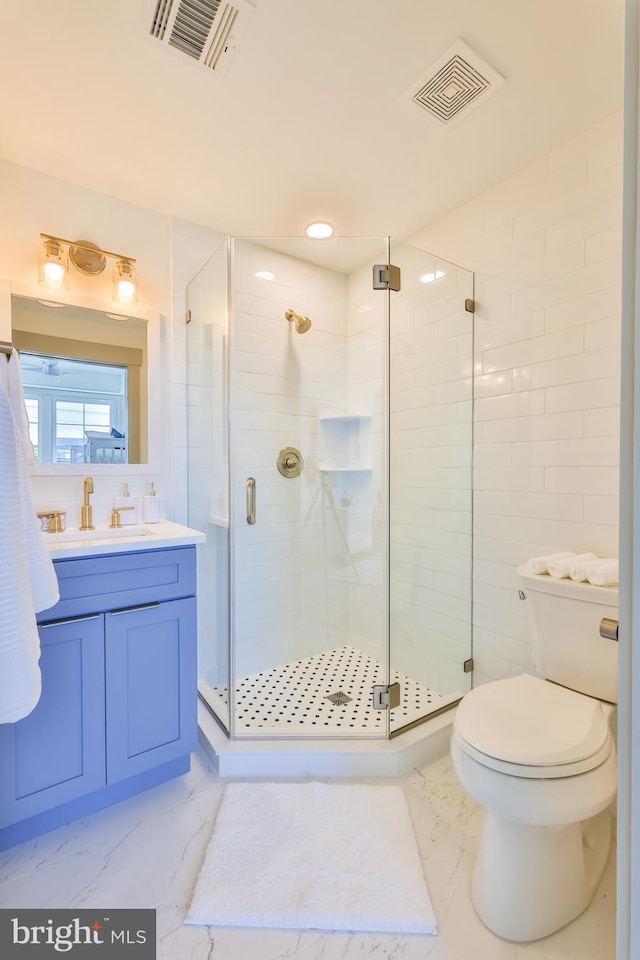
(208, 31)
(455, 84)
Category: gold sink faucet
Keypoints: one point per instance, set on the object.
(55, 524)
(87, 511)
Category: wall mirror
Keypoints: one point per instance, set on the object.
(84, 374)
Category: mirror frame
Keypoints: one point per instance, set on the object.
(152, 318)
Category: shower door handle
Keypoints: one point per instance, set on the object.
(251, 500)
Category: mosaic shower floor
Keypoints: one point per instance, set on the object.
(326, 694)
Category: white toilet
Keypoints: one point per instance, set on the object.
(539, 755)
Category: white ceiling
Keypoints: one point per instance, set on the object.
(310, 120)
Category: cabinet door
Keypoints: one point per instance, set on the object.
(57, 753)
(151, 686)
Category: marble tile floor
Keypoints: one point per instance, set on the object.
(147, 852)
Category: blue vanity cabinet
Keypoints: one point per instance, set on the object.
(151, 678)
(118, 710)
(57, 753)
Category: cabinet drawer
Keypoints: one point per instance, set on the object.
(96, 584)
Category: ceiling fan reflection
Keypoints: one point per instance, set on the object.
(48, 366)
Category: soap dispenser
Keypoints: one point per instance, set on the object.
(151, 504)
(128, 506)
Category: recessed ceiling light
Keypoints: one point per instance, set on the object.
(320, 230)
(265, 275)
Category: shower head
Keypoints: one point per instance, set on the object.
(302, 323)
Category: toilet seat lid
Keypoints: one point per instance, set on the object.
(531, 721)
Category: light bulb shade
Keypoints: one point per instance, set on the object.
(125, 281)
(54, 266)
(320, 230)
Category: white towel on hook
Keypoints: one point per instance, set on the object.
(540, 565)
(578, 567)
(16, 399)
(27, 576)
(604, 573)
(42, 575)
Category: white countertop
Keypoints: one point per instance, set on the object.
(144, 536)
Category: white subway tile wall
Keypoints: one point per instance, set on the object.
(545, 246)
(286, 607)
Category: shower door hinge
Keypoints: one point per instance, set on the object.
(468, 665)
(470, 305)
(386, 277)
(386, 698)
(187, 316)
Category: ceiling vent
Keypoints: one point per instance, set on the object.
(205, 30)
(456, 83)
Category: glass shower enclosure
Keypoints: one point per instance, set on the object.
(330, 443)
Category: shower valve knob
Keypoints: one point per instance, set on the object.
(290, 462)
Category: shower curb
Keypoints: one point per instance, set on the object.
(275, 759)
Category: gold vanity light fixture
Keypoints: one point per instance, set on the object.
(88, 259)
(54, 264)
(125, 281)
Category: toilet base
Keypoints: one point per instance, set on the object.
(530, 881)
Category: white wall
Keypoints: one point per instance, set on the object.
(546, 248)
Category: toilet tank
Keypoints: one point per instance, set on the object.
(564, 619)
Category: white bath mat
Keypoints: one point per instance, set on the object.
(313, 856)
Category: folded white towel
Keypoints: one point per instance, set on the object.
(604, 573)
(540, 565)
(578, 567)
(559, 569)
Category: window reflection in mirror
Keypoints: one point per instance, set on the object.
(77, 409)
(84, 379)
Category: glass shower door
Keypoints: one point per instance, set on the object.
(308, 488)
(208, 473)
(431, 422)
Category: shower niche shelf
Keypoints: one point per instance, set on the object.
(344, 443)
(219, 521)
(218, 507)
(326, 467)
